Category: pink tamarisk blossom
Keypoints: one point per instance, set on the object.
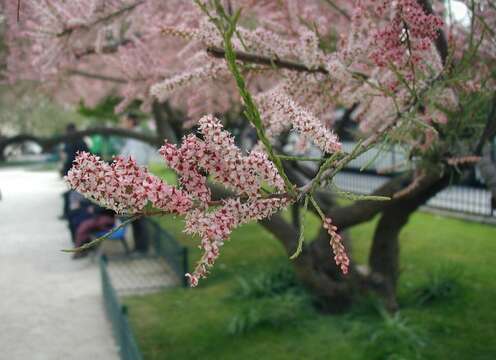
(295, 65)
(123, 186)
(340, 256)
(215, 227)
(304, 122)
(222, 159)
(410, 32)
(462, 160)
(127, 188)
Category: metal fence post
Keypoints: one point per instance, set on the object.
(393, 158)
(185, 265)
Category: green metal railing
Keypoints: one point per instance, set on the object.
(166, 245)
(117, 314)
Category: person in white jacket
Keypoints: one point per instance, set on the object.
(141, 152)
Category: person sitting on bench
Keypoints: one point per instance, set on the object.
(86, 218)
(102, 220)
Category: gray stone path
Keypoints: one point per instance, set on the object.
(50, 305)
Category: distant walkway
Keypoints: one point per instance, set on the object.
(50, 306)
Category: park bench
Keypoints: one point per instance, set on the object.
(118, 235)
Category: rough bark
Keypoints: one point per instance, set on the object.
(384, 253)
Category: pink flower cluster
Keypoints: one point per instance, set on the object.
(340, 256)
(304, 122)
(218, 156)
(409, 22)
(210, 70)
(126, 188)
(214, 227)
(469, 159)
(123, 186)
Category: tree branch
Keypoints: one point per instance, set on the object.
(364, 210)
(338, 9)
(18, 10)
(48, 143)
(162, 123)
(108, 17)
(490, 128)
(102, 77)
(265, 60)
(105, 50)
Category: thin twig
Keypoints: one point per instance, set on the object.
(299, 158)
(338, 9)
(277, 62)
(18, 10)
(102, 238)
(97, 76)
(265, 60)
(119, 12)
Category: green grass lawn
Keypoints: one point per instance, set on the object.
(241, 312)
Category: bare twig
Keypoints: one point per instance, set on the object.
(18, 10)
(338, 9)
(48, 143)
(105, 50)
(265, 60)
(102, 238)
(108, 17)
(102, 77)
(277, 62)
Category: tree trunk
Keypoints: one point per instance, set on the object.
(162, 124)
(384, 255)
(315, 268)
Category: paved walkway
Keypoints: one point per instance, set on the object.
(50, 305)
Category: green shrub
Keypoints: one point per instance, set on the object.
(266, 284)
(443, 283)
(394, 338)
(274, 311)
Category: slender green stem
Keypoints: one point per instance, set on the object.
(301, 238)
(317, 207)
(326, 165)
(252, 113)
(299, 158)
(352, 196)
(102, 238)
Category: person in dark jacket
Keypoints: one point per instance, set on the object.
(71, 148)
(69, 152)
